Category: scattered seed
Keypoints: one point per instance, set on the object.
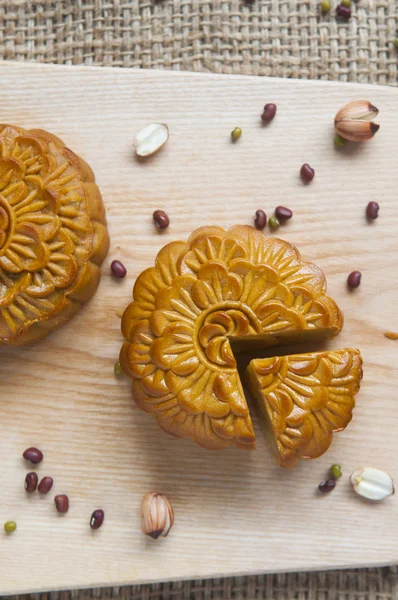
(339, 142)
(161, 219)
(274, 222)
(10, 526)
(118, 369)
(336, 471)
(307, 173)
(372, 210)
(372, 483)
(157, 515)
(325, 6)
(354, 279)
(268, 113)
(33, 455)
(260, 219)
(31, 481)
(62, 503)
(283, 213)
(118, 269)
(236, 133)
(343, 11)
(327, 486)
(150, 139)
(97, 518)
(354, 121)
(45, 485)
(346, 3)
(391, 335)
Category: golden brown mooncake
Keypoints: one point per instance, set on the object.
(218, 286)
(53, 235)
(303, 399)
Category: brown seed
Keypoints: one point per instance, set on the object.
(354, 279)
(33, 455)
(268, 113)
(260, 219)
(161, 219)
(97, 518)
(283, 213)
(307, 173)
(343, 11)
(31, 480)
(372, 210)
(45, 485)
(118, 269)
(327, 486)
(62, 503)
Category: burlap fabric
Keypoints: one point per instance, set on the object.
(364, 584)
(280, 38)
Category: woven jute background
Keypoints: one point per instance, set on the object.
(364, 584)
(280, 38)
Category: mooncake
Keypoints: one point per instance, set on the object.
(219, 293)
(303, 399)
(53, 235)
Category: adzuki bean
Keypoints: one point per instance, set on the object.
(354, 279)
(260, 219)
(283, 213)
(62, 503)
(372, 210)
(307, 173)
(45, 485)
(33, 455)
(31, 480)
(327, 486)
(343, 11)
(161, 219)
(269, 113)
(118, 269)
(97, 518)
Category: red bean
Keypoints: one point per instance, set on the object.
(268, 113)
(33, 455)
(260, 219)
(161, 219)
(31, 480)
(307, 173)
(327, 486)
(62, 503)
(343, 11)
(45, 485)
(372, 210)
(283, 213)
(118, 269)
(354, 279)
(97, 518)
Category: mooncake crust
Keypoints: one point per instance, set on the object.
(53, 234)
(201, 293)
(304, 399)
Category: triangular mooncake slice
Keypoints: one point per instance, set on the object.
(303, 399)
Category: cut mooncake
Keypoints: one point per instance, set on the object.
(303, 399)
(53, 235)
(218, 287)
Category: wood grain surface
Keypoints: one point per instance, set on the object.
(236, 512)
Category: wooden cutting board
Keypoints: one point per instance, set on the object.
(235, 511)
